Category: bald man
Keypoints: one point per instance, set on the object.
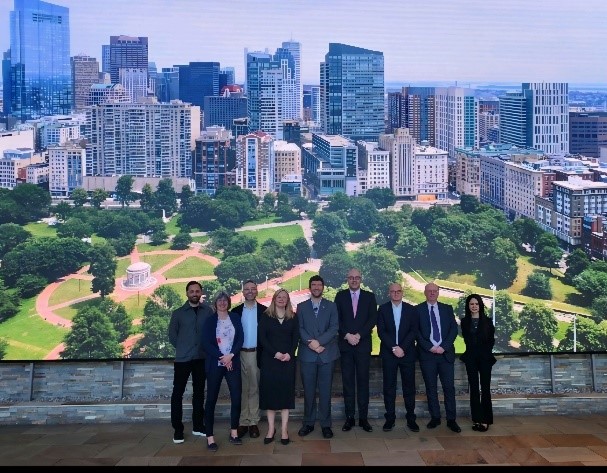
(436, 354)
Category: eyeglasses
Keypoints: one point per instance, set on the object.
(354, 278)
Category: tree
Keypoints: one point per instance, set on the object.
(9, 302)
(363, 216)
(155, 324)
(103, 268)
(3, 348)
(538, 286)
(62, 210)
(221, 238)
(273, 250)
(382, 197)
(124, 244)
(501, 263)
(98, 196)
(118, 317)
(185, 196)
(390, 224)
(589, 336)
(165, 197)
(338, 202)
(34, 201)
(592, 284)
(379, 268)
(92, 336)
(540, 326)
(11, 235)
(329, 229)
(181, 241)
(124, 190)
(550, 257)
(506, 321)
(577, 261)
(301, 251)
(527, 231)
(411, 244)
(158, 232)
(30, 285)
(268, 202)
(469, 204)
(79, 197)
(199, 213)
(240, 245)
(241, 268)
(599, 309)
(147, 199)
(335, 267)
(228, 213)
(74, 227)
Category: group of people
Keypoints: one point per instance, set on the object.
(254, 348)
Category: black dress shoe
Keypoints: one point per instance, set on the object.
(305, 430)
(253, 431)
(453, 426)
(285, 441)
(348, 425)
(413, 427)
(235, 440)
(388, 426)
(212, 447)
(433, 423)
(242, 430)
(268, 440)
(327, 432)
(475, 426)
(483, 428)
(364, 423)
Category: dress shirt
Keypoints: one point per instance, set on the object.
(249, 326)
(440, 338)
(397, 312)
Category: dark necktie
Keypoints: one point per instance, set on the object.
(435, 332)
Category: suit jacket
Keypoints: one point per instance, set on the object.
(209, 340)
(322, 327)
(484, 348)
(407, 330)
(448, 328)
(260, 313)
(366, 318)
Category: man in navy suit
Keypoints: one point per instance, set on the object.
(357, 311)
(436, 352)
(317, 352)
(397, 325)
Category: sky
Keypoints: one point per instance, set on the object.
(463, 41)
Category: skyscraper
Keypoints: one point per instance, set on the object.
(294, 48)
(456, 119)
(85, 72)
(352, 92)
(127, 52)
(198, 80)
(40, 74)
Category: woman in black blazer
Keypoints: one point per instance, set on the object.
(479, 336)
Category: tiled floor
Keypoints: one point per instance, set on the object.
(531, 440)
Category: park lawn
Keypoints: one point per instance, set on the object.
(158, 261)
(192, 267)
(179, 288)
(562, 330)
(525, 268)
(29, 336)
(171, 227)
(70, 311)
(69, 290)
(284, 235)
(201, 239)
(39, 230)
(134, 305)
(121, 265)
(146, 247)
(261, 221)
(298, 282)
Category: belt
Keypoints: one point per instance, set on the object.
(248, 349)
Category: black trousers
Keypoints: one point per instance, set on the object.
(181, 374)
(481, 408)
(391, 366)
(355, 367)
(233, 378)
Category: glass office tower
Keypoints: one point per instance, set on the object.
(41, 82)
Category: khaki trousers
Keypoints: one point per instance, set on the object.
(249, 411)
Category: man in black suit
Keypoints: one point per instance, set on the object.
(397, 325)
(250, 312)
(436, 352)
(357, 311)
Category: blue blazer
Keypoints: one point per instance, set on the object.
(448, 328)
(323, 328)
(209, 340)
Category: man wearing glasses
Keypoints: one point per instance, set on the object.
(357, 311)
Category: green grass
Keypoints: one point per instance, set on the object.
(158, 261)
(70, 312)
(39, 230)
(201, 239)
(121, 266)
(261, 221)
(69, 290)
(171, 227)
(192, 267)
(293, 284)
(134, 305)
(146, 247)
(29, 336)
(284, 235)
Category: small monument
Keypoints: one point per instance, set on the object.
(138, 276)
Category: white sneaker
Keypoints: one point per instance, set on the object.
(200, 434)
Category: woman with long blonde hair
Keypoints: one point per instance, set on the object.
(278, 335)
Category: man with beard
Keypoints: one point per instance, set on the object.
(185, 329)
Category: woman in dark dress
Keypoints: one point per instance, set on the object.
(278, 335)
(479, 335)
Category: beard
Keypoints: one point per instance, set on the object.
(194, 300)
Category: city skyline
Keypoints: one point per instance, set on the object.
(468, 41)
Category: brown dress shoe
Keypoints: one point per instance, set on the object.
(242, 430)
(253, 431)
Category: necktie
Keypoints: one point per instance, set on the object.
(435, 331)
(354, 303)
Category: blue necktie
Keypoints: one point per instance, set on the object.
(435, 332)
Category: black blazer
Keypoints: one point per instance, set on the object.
(448, 327)
(407, 330)
(483, 348)
(260, 313)
(209, 340)
(366, 318)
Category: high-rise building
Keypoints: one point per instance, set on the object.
(198, 80)
(85, 72)
(373, 167)
(107, 93)
(148, 139)
(513, 119)
(255, 162)
(287, 161)
(486, 122)
(211, 167)
(41, 79)
(6, 83)
(587, 133)
(456, 119)
(167, 84)
(66, 163)
(105, 58)
(418, 114)
(394, 104)
(401, 146)
(548, 122)
(135, 82)
(352, 92)
(294, 48)
(127, 52)
(223, 109)
(227, 76)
